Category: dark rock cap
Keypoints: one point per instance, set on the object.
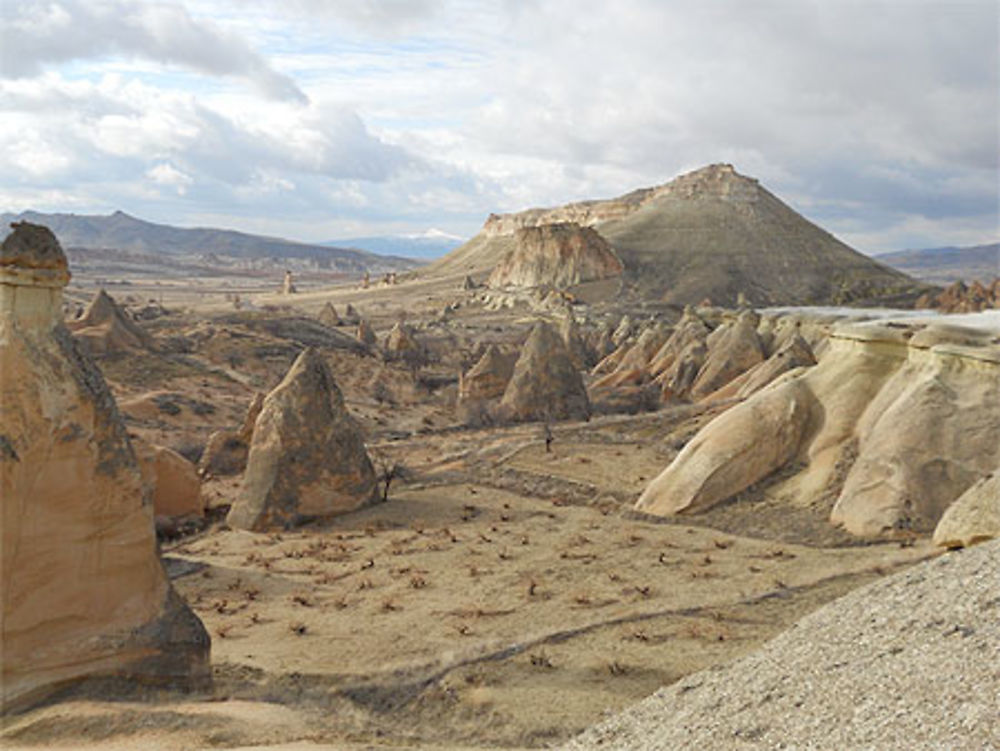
(32, 246)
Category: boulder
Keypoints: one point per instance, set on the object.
(85, 595)
(307, 458)
(172, 481)
(329, 316)
(735, 450)
(973, 518)
(560, 255)
(226, 450)
(544, 385)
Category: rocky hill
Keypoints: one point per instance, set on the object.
(119, 238)
(710, 234)
(946, 265)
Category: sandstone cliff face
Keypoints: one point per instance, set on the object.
(83, 591)
(903, 419)
(307, 458)
(544, 385)
(560, 255)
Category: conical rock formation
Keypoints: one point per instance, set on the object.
(83, 593)
(488, 378)
(329, 316)
(105, 329)
(307, 458)
(544, 385)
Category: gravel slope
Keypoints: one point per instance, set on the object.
(909, 662)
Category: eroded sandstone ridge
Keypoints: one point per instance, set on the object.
(307, 458)
(560, 255)
(895, 422)
(84, 594)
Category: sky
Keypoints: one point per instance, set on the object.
(324, 119)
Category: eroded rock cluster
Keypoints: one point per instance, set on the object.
(560, 255)
(895, 422)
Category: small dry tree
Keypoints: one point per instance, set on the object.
(387, 470)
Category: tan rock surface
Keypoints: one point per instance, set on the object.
(307, 459)
(901, 424)
(733, 349)
(488, 378)
(329, 316)
(105, 329)
(400, 341)
(560, 255)
(172, 482)
(732, 452)
(544, 385)
(83, 591)
(794, 353)
(366, 334)
(691, 328)
(973, 518)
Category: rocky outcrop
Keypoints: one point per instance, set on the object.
(307, 458)
(793, 354)
(105, 329)
(544, 385)
(288, 285)
(401, 343)
(172, 482)
(488, 378)
(959, 297)
(903, 419)
(366, 334)
(83, 593)
(329, 316)
(691, 328)
(730, 453)
(709, 234)
(569, 330)
(559, 255)
(973, 518)
(226, 451)
(631, 362)
(733, 348)
(351, 316)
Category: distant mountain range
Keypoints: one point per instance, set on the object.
(130, 239)
(948, 264)
(430, 244)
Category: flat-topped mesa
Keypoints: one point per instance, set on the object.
(560, 255)
(83, 594)
(718, 180)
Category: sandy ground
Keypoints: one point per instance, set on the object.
(504, 596)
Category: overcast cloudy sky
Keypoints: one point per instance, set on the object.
(317, 119)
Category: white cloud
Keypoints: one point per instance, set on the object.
(36, 34)
(165, 173)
